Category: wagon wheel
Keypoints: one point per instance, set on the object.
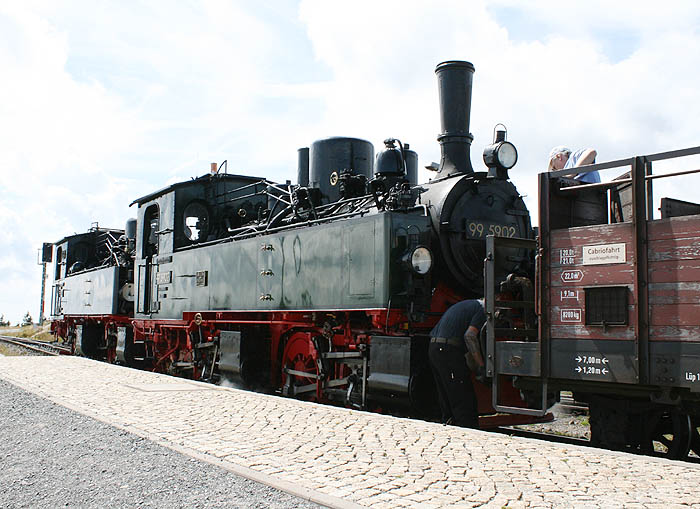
(669, 434)
(300, 367)
(695, 434)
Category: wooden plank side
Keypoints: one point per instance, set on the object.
(675, 333)
(671, 271)
(674, 275)
(572, 313)
(568, 309)
(674, 293)
(569, 278)
(674, 228)
(675, 314)
(567, 313)
(572, 254)
(687, 248)
(592, 275)
(575, 297)
(574, 332)
(592, 235)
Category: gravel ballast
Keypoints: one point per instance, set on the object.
(10, 350)
(54, 457)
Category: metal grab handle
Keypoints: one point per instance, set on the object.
(538, 281)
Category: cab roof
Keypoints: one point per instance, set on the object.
(185, 183)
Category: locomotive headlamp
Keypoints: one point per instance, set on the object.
(501, 154)
(421, 260)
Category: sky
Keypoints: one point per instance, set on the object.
(103, 102)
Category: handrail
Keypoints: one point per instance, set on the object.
(671, 154)
(674, 174)
(614, 183)
(591, 167)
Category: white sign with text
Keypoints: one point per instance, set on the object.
(604, 253)
(571, 316)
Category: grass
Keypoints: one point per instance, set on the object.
(7, 350)
(42, 333)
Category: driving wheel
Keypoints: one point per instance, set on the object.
(300, 367)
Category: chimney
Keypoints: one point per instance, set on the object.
(455, 90)
(303, 167)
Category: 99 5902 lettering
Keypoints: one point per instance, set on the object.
(480, 230)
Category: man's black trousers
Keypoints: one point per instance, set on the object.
(454, 384)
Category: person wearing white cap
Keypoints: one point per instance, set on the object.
(561, 158)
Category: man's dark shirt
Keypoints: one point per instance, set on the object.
(456, 320)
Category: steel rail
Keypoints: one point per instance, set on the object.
(540, 435)
(583, 442)
(35, 346)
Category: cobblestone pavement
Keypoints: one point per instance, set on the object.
(353, 457)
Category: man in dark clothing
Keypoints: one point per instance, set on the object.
(455, 335)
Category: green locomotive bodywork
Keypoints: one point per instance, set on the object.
(354, 263)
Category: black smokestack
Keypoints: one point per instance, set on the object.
(455, 89)
(303, 167)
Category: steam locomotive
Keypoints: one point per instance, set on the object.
(327, 290)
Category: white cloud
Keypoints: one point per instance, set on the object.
(106, 102)
(558, 87)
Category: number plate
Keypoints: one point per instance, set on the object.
(478, 230)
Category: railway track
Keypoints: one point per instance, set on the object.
(563, 439)
(36, 346)
(568, 403)
(549, 437)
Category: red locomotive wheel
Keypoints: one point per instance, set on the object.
(299, 366)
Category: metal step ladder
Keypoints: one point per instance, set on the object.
(510, 351)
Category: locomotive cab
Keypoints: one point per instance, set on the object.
(183, 216)
(82, 262)
(92, 290)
